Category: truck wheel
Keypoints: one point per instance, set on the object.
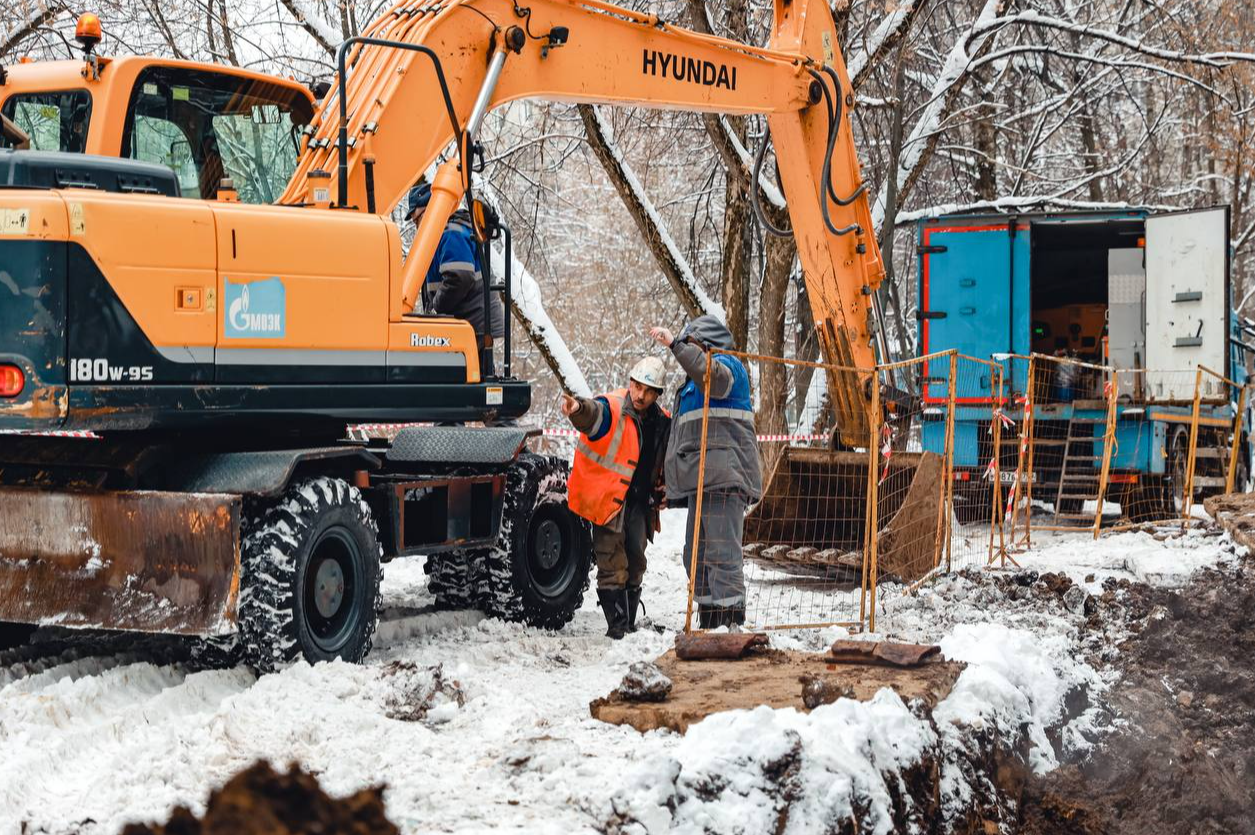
(1178, 464)
(15, 634)
(539, 569)
(973, 505)
(453, 577)
(311, 572)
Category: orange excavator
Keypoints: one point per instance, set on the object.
(212, 349)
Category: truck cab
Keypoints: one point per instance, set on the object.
(1143, 292)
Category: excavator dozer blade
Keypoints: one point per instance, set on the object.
(140, 561)
(812, 518)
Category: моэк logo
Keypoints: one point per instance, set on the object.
(256, 310)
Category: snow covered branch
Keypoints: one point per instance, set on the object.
(664, 248)
(1022, 49)
(529, 309)
(321, 30)
(918, 147)
(1035, 18)
(891, 31)
(23, 29)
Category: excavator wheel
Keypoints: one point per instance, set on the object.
(539, 569)
(311, 573)
(453, 577)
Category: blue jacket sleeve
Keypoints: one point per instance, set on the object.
(455, 261)
(603, 426)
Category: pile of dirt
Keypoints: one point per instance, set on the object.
(1182, 760)
(260, 800)
(774, 677)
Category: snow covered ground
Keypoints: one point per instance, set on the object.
(89, 744)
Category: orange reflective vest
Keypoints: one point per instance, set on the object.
(603, 468)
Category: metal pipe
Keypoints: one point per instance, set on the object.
(506, 312)
(484, 98)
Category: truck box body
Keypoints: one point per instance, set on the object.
(1128, 290)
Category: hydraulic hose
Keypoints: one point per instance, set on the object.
(755, 199)
(826, 192)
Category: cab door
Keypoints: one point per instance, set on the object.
(1187, 300)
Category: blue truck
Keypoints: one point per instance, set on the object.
(1143, 291)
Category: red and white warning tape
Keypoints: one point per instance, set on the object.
(363, 430)
(54, 434)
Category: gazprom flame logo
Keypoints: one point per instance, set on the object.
(256, 310)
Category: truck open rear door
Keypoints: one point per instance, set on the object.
(1187, 301)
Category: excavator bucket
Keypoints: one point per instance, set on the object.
(141, 561)
(813, 514)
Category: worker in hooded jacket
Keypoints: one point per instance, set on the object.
(616, 483)
(733, 474)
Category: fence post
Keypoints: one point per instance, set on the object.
(948, 464)
(995, 432)
(873, 501)
(697, 509)
(1236, 450)
(1187, 499)
(1024, 480)
(1109, 441)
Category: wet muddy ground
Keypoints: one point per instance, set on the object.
(1182, 756)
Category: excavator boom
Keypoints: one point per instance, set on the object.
(403, 106)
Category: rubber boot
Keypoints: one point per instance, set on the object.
(729, 616)
(633, 602)
(614, 604)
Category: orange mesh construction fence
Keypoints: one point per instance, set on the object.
(852, 502)
(931, 465)
(791, 553)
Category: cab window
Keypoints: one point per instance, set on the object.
(54, 121)
(206, 126)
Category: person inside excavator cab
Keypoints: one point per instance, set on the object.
(455, 280)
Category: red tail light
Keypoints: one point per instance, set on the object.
(12, 381)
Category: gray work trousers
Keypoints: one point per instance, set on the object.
(720, 562)
(621, 553)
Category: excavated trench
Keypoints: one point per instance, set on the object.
(1182, 759)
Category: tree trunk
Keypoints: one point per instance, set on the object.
(735, 269)
(773, 377)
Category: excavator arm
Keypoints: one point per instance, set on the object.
(423, 75)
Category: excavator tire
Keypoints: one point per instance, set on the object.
(538, 571)
(453, 577)
(311, 573)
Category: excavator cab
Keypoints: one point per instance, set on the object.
(204, 122)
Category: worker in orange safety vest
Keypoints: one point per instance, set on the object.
(616, 484)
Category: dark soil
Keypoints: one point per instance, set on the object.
(260, 800)
(1185, 760)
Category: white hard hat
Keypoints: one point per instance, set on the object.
(650, 372)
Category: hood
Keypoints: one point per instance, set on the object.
(709, 330)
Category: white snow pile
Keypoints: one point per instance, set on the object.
(477, 725)
(1167, 558)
